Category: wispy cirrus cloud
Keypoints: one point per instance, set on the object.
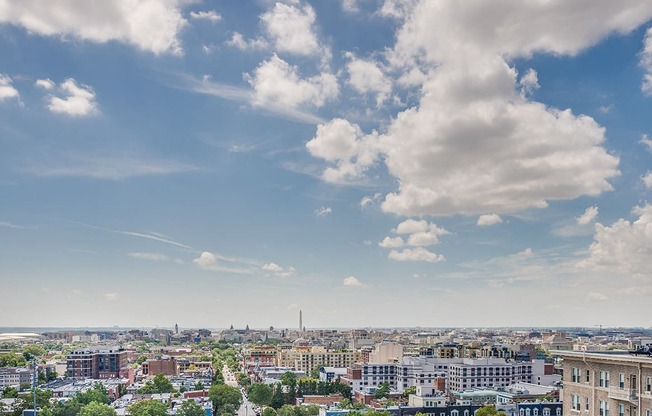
(114, 167)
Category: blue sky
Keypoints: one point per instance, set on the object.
(373, 163)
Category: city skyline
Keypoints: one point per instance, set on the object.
(372, 163)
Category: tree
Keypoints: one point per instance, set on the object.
(260, 394)
(489, 411)
(148, 408)
(382, 391)
(33, 350)
(243, 380)
(12, 360)
(97, 394)
(409, 390)
(97, 409)
(190, 408)
(268, 411)
(225, 398)
(277, 397)
(314, 373)
(160, 384)
(199, 386)
(289, 378)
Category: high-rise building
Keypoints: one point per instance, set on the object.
(300, 321)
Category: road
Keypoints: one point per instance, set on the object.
(247, 407)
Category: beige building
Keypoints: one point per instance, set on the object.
(604, 384)
(388, 352)
(308, 358)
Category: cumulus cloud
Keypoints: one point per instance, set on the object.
(415, 254)
(389, 242)
(209, 15)
(368, 201)
(646, 63)
(77, 99)
(7, 89)
(46, 84)
(352, 282)
(150, 25)
(589, 215)
(420, 233)
(486, 220)
(367, 77)
(346, 147)
(238, 41)
(624, 248)
(278, 270)
(205, 259)
(277, 83)
(323, 211)
(476, 142)
(646, 142)
(291, 28)
(647, 180)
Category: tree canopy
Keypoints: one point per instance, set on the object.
(190, 408)
(489, 411)
(226, 399)
(148, 408)
(97, 409)
(260, 394)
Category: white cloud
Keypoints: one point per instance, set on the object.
(486, 220)
(589, 215)
(78, 99)
(367, 77)
(596, 297)
(278, 270)
(238, 41)
(115, 167)
(277, 84)
(46, 84)
(476, 142)
(110, 297)
(151, 25)
(646, 63)
(323, 211)
(210, 15)
(343, 144)
(389, 242)
(7, 89)
(368, 201)
(647, 180)
(415, 254)
(290, 27)
(149, 256)
(350, 6)
(646, 142)
(623, 249)
(352, 282)
(529, 82)
(205, 259)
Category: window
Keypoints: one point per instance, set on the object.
(575, 375)
(648, 384)
(601, 408)
(587, 406)
(621, 410)
(621, 381)
(604, 379)
(546, 411)
(588, 376)
(575, 402)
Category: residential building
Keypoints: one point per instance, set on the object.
(490, 372)
(97, 362)
(310, 357)
(604, 384)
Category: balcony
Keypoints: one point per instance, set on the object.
(628, 395)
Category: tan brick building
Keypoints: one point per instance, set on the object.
(606, 384)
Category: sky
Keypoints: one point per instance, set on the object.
(369, 162)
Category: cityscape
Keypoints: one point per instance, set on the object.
(326, 208)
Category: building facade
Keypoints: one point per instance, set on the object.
(603, 384)
(97, 363)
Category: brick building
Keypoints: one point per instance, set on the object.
(606, 384)
(97, 363)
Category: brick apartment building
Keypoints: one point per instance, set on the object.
(97, 363)
(606, 384)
